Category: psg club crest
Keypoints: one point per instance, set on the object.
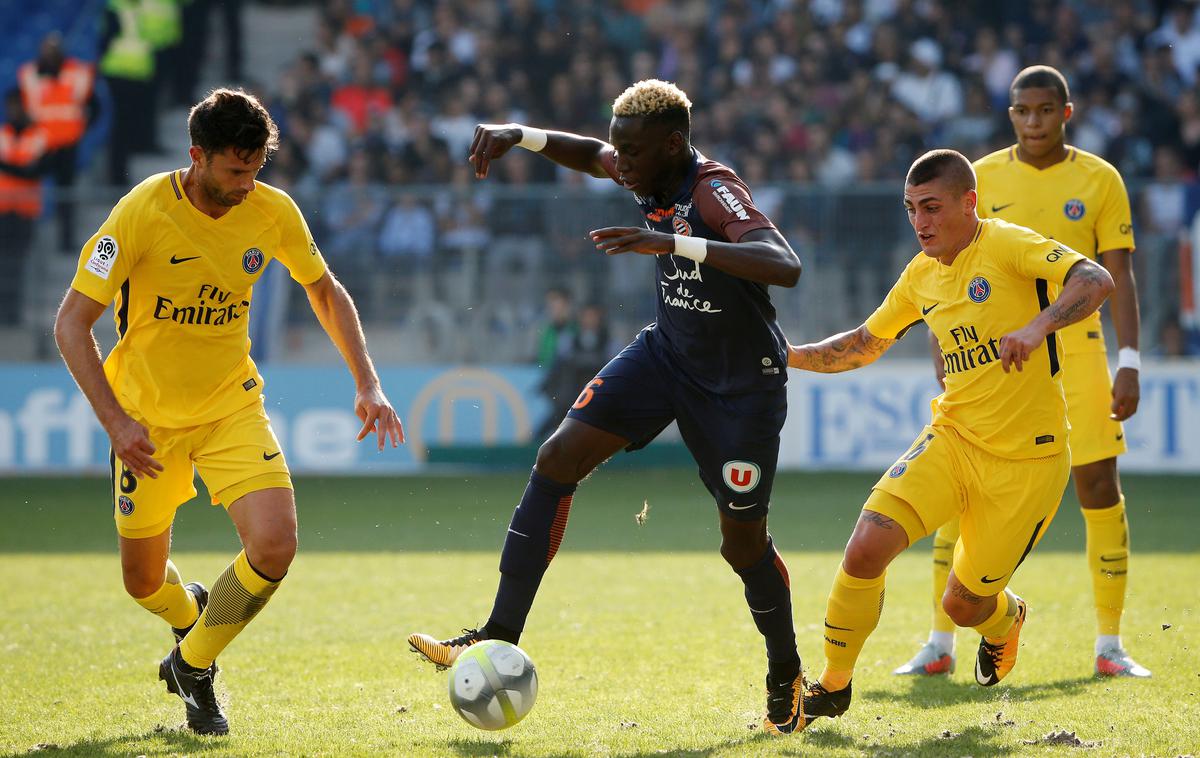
(979, 289)
(897, 470)
(252, 260)
(1074, 209)
(681, 226)
(124, 505)
(741, 476)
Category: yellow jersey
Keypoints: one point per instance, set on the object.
(996, 285)
(1079, 201)
(182, 284)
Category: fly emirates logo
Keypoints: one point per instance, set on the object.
(212, 307)
(969, 351)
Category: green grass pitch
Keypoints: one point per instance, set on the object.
(642, 639)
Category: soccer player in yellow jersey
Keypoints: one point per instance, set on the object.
(994, 454)
(179, 393)
(1079, 200)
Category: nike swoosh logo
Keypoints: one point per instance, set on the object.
(186, 698)
(998, 208)
(925, 311)
(1120, 437)
(733, 507)
(183, 260)
(985, 580)
(979, 677)
(839, 628)
(1106, 559)
(514, 531)
(271, 456)
(755, 610)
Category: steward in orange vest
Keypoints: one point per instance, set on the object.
(22, 160)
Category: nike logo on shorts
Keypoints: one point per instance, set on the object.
(271, 456)
(985, 580)
(733, 507)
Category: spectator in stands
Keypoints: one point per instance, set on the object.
(58, 94)
(931, 94)
(23, 151)
(127, 64)
(1181, 32)
(408, 232)
(555, 348)
(354, 211)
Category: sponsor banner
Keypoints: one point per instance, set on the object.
(867, 419)
(47, 426)
(863, 419)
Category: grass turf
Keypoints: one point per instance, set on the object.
(641, 636)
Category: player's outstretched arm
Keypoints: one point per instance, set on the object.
(760, 255)
(73, 333)
(335, 310)
(1084, 289)
(841, 352)
(1124, 307)
(576, 152)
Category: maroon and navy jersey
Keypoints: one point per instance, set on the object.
(714, 328)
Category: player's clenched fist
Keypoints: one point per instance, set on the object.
(490, 142)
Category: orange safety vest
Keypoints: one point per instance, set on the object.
(58, 103)
(18, 194)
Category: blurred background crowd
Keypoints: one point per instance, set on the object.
(819, 105)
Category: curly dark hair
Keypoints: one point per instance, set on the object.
(233, 118)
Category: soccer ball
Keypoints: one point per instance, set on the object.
(493, 685)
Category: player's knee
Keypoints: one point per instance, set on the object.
(962, 612)
(272, 554)
(863, 561)
(743, 544)
(142, 581)
(558, 460)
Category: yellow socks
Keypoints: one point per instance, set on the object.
(1108, 563)
(850, 616)
(237, 597)
(943, 557)
(1000, 622)
(172, 602)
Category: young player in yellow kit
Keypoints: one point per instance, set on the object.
(179, 393)
(995, 452)
(1078, 199)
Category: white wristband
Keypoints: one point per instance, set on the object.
(1129, 357)
(532, 139)
(695, 248)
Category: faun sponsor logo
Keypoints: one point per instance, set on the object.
(209, 309)
(728, 200)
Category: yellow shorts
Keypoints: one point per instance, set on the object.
(1088, 387)
(236, 455)
(1004, 505)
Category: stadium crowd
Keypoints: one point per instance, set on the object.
(820, 106)
(830, 94)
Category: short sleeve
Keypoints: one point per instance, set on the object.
(1114, 227)
(896, 314)
(725, 205)
(111, 253)
(297, 249)
(1040, 258)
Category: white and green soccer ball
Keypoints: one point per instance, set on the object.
(493, 685)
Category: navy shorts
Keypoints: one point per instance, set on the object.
(734, 439)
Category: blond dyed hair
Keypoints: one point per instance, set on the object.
(652, 97)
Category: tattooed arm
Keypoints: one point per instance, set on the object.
(1086, 286)
(841, 352)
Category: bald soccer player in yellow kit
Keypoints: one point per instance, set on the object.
(1078, 199)
(179, 256)
(994, 454)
